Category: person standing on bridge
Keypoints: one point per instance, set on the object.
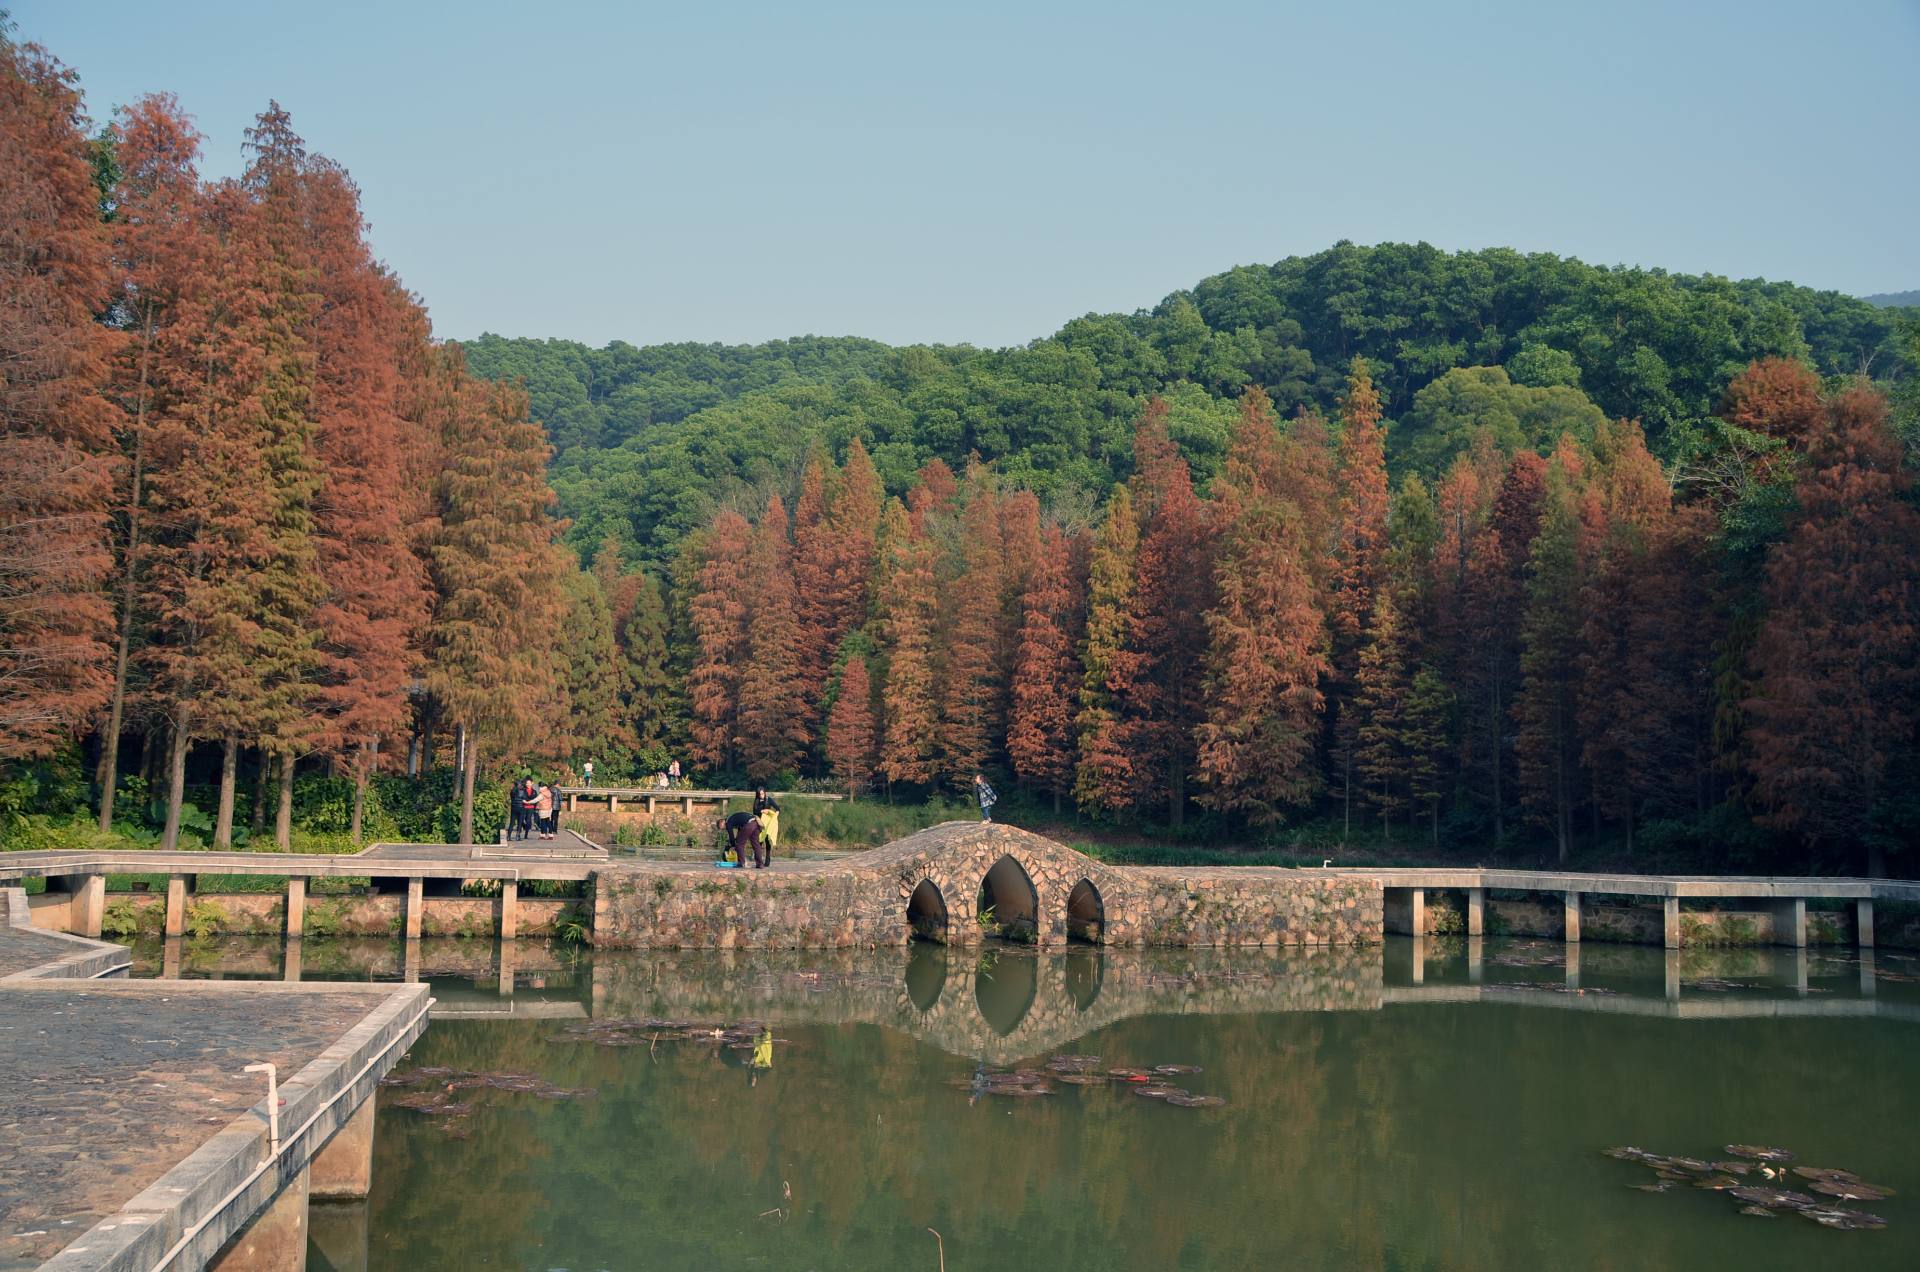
(586, 774)
(984, 793)
(673, 773)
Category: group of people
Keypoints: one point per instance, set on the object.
(755, 833)
(665, 779)
(533, 808)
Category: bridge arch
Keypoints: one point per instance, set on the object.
(927, 913)
(1008, 894)
(1086, 913)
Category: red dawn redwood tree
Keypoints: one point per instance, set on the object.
(1837, 694)
(489, 637)
(1266, 655)
(1173, 590)
(376, 588)
(774, 728)
(850, 728)
(904, 611)
(855, 522)
(1103, 776)
(719, 613)
(1359, 568)
(815, 555)
(56, 429)
(970, 715)
(1046, 674)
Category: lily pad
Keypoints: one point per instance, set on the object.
(1841, 1183)
(1717, 1183)
(1196, 1101)
(1734, 1168)
(1773, 1198)
(1158, 1091)
(1844, 1220)
(1130, 1075)
(1176, 1068)
(1759, 1152)
(1758, 1211)
(1664, 1185)
(1083, 1079)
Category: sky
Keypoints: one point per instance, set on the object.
(982, 173)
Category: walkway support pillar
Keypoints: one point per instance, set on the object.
(686, 806)
(1790, 922)
(1417, 911)
(1571, 910)
(343, 1170)
(509, 909)
(1476, 911)
(1863, 919)
(416, 903)
(176, 904)
(276, 1240)
(89, 905)
(296, 908)
(1670, 922)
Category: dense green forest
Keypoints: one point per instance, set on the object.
(650, 441)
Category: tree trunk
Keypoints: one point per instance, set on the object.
(1176, 792)
(359, 792)
(146, 759)
(460, 747)
(261, 767)
(229, 774)
(283, 814)
(466, 787)
(110, 758)
(176, 777)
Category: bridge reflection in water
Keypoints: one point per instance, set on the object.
(1005, 1003)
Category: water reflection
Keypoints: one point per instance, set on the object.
(1006, 1002)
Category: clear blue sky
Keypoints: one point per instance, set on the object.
(984, 172)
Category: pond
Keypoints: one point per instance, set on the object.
(1439, 1104)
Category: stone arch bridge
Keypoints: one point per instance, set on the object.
(961, 882)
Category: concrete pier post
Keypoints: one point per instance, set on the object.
(343, 1169)
(410, 961)
(686, 806)
(89, 905)
(1417, 911)
(1790, 922)
(170, 951)
(276, 1240)
(176, 904)
(573, 803)
(1476, 911)
(416, 903)
(1673, 976)
(613, 803)
(1670, 922)
(1573, 965)
(1799, 971)
(1863, 920)
(650, 805)
(509, 909)
(1571, 910)
(293, 960)
(296, 908)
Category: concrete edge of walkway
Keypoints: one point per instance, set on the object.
(89, 960)
(184, 1218)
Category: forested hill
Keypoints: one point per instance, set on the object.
(1894, 300)
(650, 440)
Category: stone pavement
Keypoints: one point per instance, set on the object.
(110, 1084)
(21, 950)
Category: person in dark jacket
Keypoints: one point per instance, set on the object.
(747, 839)
(516, 811)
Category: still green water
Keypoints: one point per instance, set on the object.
(1431, 1105)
